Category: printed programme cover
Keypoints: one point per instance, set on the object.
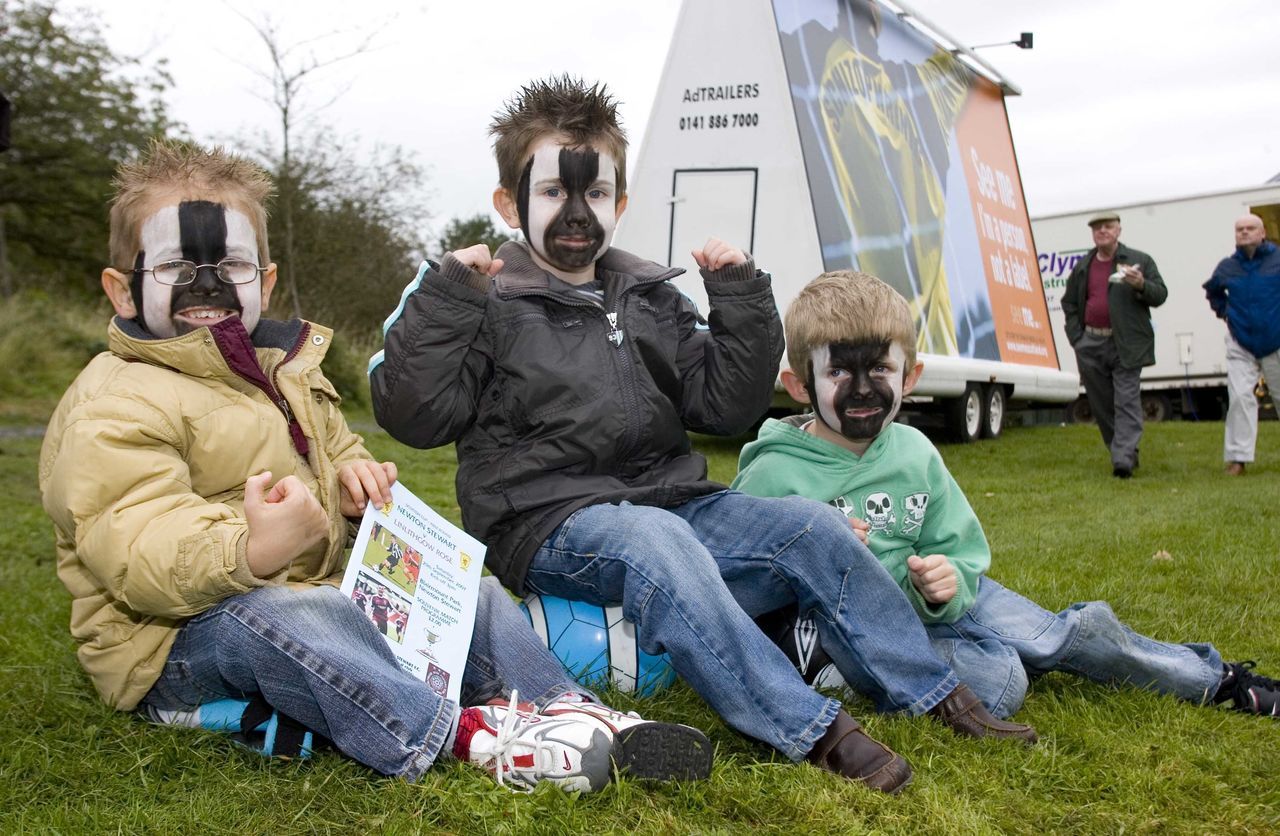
(417, 577)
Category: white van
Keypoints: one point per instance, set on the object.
(1187, 237)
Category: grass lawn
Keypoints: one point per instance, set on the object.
(1180, 551)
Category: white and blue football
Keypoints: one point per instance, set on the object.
(596, 645)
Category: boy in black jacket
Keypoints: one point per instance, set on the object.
(568, 373)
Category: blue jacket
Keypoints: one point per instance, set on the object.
(1246, 293)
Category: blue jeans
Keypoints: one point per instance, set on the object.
(692, 577)
(1004, 637)
(314, 656)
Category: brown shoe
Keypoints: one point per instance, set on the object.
(965, 714)
(1235, 468)
(849, 751)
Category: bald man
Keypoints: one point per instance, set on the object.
(1245, 291)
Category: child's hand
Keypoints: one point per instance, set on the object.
(860, 528)
(362, 482)
(716, 254)
(934, 576)
(283, 522)
(477, 257)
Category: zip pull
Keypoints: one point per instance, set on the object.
(615, 334)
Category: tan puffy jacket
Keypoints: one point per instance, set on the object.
(143, 470)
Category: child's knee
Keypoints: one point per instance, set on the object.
(993, 671)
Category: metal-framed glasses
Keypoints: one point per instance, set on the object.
(180, 272)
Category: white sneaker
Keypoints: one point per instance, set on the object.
(520, 748)
(643, 749)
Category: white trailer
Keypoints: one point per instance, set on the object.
(832, 134)
(1187, 237)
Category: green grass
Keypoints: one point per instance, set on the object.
(1062, 529)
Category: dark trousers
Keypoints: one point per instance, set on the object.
(1114, 397)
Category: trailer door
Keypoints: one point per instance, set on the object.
(707, 202)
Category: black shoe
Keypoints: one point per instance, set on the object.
(1249, 692)
(1122, 472)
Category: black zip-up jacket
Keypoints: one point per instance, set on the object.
(556, 403)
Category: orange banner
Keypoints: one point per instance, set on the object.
(1004, 231)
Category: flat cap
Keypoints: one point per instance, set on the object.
(1103, 217)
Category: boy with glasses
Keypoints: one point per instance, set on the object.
(204, 487)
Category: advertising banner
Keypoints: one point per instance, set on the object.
(913, 178)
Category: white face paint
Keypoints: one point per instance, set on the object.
(169, 311)
(858, 388)
(572, 207)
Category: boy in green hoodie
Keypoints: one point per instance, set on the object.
(851, 347)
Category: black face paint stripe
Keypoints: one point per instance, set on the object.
(578, 170)
(202, 231)
(202, 234)
(135, 284)
(522, 198)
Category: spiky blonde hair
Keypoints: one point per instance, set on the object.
(560, 105)
(845, 306)
(171, 172)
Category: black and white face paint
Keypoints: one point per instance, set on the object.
(203, 233)
(567, 201)
(856, 388)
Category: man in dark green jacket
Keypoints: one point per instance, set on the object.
(1107, 306)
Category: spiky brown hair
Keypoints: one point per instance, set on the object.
(176, 171)
(561, 105)
(845, 306)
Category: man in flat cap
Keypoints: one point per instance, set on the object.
(1107, 305)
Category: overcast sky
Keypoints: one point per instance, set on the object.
(1123, 100)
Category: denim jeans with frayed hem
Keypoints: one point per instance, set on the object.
(314, 656)
(1005, 637)
(691, 578)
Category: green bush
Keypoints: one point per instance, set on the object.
(44, 343)
(346, 365)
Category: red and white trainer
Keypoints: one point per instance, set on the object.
(642, 749)
(521, 748)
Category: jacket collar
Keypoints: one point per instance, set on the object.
(196, 353)
(520, 273)
(1265, 248)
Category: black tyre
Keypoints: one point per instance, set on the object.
(1156, 407)
(964, 415)
(994, 406)
(1078, 412)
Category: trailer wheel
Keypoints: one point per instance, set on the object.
(964, 414)
(993, 410)
(1156, 407)
(1078, 411)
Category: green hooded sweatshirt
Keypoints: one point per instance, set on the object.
(900, 486)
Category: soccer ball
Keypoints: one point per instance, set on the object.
(798, 638)
(596, 645)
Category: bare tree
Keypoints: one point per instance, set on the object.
(290, 68)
